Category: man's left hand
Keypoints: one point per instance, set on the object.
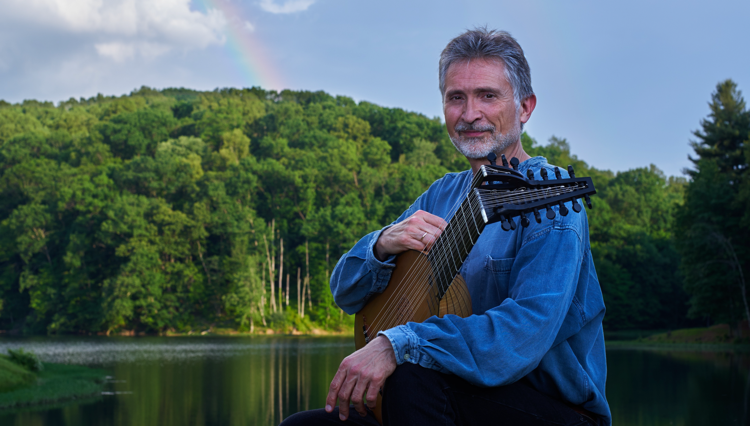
(363, 371)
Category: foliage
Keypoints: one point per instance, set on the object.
(13, 376)
(27, 360)
(715, 243)
(168, 211)
(631, 240)
(178, 210)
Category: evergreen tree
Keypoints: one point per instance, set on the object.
(713, 240)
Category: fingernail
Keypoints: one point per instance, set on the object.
(329, 408)
(342, 417)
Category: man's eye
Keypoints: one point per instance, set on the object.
(489, 95)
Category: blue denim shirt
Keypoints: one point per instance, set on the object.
(537, 304)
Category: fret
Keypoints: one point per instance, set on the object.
(456, 241)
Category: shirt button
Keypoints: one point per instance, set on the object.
(406, 356)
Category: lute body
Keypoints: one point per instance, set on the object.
(418, 307)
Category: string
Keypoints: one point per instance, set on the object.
(438, 255)
(416, 270)
(440, 252)
(498, 196)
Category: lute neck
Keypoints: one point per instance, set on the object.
(452, 248)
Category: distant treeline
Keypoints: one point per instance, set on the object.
(176, 210)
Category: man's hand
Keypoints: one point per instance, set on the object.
(417, 232)
(363, 371)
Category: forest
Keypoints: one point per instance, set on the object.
(179, 211)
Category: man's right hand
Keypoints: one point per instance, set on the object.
(417, 232)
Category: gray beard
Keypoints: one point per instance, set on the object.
(478, 148)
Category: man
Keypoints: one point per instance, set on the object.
(533, 352)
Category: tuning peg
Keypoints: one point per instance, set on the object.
(537, 216)
(571, 172)
(505, 161)
(512, 224)
(505, 223)
(543, 172)
(525, 220)
(530, 174)
(550, 212)
(576, 206)
(514, 162)
(563, 209)
(558, 175)
(492, 157)
(588, 201)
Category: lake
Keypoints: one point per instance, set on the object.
(202, 381)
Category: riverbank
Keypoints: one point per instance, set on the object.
(719, 336)
(56, 383)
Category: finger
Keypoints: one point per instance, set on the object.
(428, 241)
(372, 395)
(436, 221)
(345, 396)
(358, 396)
(343, 410)
(333, 390)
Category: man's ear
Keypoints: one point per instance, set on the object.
(527, 107)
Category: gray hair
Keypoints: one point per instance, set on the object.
(481, 43)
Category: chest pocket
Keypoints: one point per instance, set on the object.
(499, 270)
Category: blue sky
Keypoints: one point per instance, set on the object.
(624, 82)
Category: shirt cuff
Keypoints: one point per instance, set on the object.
(381, 270)
(405, 344)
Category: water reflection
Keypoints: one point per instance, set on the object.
(678, 387)
(205, 381)
(261, 380)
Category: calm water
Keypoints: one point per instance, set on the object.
(260, 380)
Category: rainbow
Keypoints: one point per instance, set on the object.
(256, 67)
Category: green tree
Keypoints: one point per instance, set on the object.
(714, 240)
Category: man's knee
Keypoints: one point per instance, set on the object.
(409, 380)
(416, 395)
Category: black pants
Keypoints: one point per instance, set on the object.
(418, 396)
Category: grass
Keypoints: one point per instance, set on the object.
(56, 383)
(628, 335)
(715, 336)
(13, 376)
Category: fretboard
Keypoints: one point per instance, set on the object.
(456, 241)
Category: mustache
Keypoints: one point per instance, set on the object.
(471, 127)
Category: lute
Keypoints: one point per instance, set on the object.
(424, 284)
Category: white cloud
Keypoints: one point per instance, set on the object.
(289, 6)
(249, 27)
(121, 52)
(120, 29)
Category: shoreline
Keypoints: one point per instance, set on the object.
(56, 384)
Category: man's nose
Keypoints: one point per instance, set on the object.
(471, 113)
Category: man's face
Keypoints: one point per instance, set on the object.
(480, 112)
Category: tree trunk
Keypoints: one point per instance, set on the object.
(737, 265)
(307, 277)
(200, 254)
(281, 270)
(300, 297)
(269, 259)
(262, 307)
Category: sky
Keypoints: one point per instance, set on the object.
(626, 83)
